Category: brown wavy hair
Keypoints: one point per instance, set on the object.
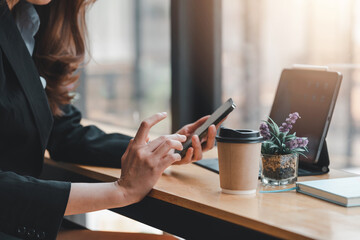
(60, 48)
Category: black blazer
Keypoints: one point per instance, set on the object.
(32, 208)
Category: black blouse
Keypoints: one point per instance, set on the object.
(31, 208)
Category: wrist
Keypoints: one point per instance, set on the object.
(123, 193)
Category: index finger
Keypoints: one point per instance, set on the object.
(218, 125)
(146, 125)
(193, 126)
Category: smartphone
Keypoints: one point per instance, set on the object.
(215, 118)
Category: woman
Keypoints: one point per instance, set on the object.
(37, 64)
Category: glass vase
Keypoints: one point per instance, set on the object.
(279, 169)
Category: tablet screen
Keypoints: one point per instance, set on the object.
(313, 95)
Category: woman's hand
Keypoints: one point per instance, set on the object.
(194, 153)
(143, 163)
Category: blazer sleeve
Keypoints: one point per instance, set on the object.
(31, 208)
(72, 142)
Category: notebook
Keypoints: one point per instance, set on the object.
(341, 191)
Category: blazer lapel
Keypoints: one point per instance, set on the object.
(16, 52)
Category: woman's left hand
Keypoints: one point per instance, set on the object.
(194, 152)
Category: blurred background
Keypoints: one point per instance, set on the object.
(128, 76)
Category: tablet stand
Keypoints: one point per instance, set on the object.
(322, 166)
(324, 160)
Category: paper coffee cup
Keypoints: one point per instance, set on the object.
(239, 157)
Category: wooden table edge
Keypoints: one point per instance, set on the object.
(186, 203)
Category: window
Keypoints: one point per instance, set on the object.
(128, 75)
(260, 38)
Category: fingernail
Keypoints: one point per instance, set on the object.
(178, 157)
(164, 113)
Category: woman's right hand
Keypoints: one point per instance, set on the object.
(143, 163)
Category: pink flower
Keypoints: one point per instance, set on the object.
(264, 131)
(288, 124)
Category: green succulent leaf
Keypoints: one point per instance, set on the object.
(277, 139)
(275, 127)
(298, 150)
(282, 137)
(271, 126)
(290, 137)
(302, 154)
(274, 146)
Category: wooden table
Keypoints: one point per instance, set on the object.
(187, 201)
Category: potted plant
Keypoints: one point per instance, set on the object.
(280, 151)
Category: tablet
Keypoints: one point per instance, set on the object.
(313, 94)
